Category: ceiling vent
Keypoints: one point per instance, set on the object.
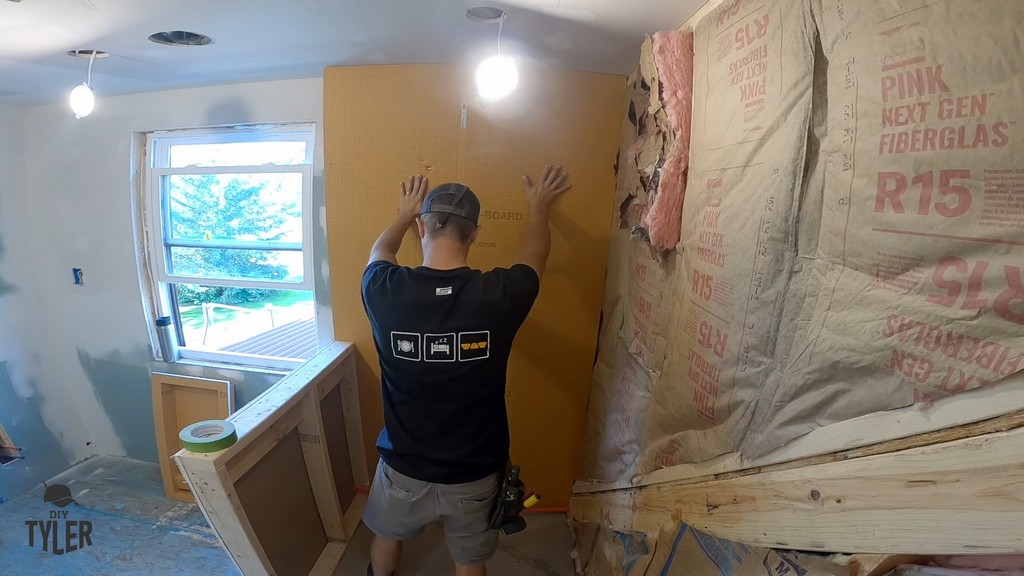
(87, 54)
(485, 14)
(180, 38)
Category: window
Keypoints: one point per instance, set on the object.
(229, 239)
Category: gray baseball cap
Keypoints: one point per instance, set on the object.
(452, 198)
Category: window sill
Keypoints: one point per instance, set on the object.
(239, 366)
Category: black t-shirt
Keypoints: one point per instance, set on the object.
(444, 337)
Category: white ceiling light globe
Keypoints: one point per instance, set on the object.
(82, 100)
(497, 77)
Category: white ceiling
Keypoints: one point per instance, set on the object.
(275, 39)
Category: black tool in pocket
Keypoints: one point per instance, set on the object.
(510, 502)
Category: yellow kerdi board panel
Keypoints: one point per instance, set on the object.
(385, 123)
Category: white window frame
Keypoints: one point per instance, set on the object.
(159, 243)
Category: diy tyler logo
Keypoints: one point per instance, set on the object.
(58, 535)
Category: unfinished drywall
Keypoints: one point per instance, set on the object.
(851, 233)
(380, 131)
(87, 364)
(11, 130)
(23, 409)
(115, 379)
(43, 455)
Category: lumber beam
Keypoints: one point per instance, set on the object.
(354, 515)
(872, 433)
(963, 496)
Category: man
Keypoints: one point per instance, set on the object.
(443, 332)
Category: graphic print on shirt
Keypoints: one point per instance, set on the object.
(439, 347)
(406, 345)
(474, 345)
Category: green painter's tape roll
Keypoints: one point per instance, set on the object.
(208, 436)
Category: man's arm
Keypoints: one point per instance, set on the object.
(390, 240)
(553, 182)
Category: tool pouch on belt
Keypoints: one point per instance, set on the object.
(508, 505)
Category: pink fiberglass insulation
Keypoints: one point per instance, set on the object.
(673, 55)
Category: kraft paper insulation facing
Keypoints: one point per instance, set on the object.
(851, 236)
(921, 252)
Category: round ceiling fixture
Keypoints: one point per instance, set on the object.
(82, 98)
(485, 14)
(497, 77)
(87, 54)
(180, 38)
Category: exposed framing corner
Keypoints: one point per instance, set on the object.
(866, 500)
(286, 421)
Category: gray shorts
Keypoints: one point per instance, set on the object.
(400, 508)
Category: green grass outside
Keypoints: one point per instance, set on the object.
(192, 316)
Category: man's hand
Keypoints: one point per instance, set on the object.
(541, 195)
(553, 182)
(390, 240)
(413, 193)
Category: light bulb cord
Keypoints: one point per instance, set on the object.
(88, 81)
(501, 24)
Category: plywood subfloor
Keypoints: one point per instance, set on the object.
(136, 530)
(542, 550)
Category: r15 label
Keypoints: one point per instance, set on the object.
(712, 338)
(640, 271)
(962, 285)
(751, 33)
(703, 284)
(896, 192)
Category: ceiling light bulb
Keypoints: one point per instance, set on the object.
(497, 77)
(82, 100)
